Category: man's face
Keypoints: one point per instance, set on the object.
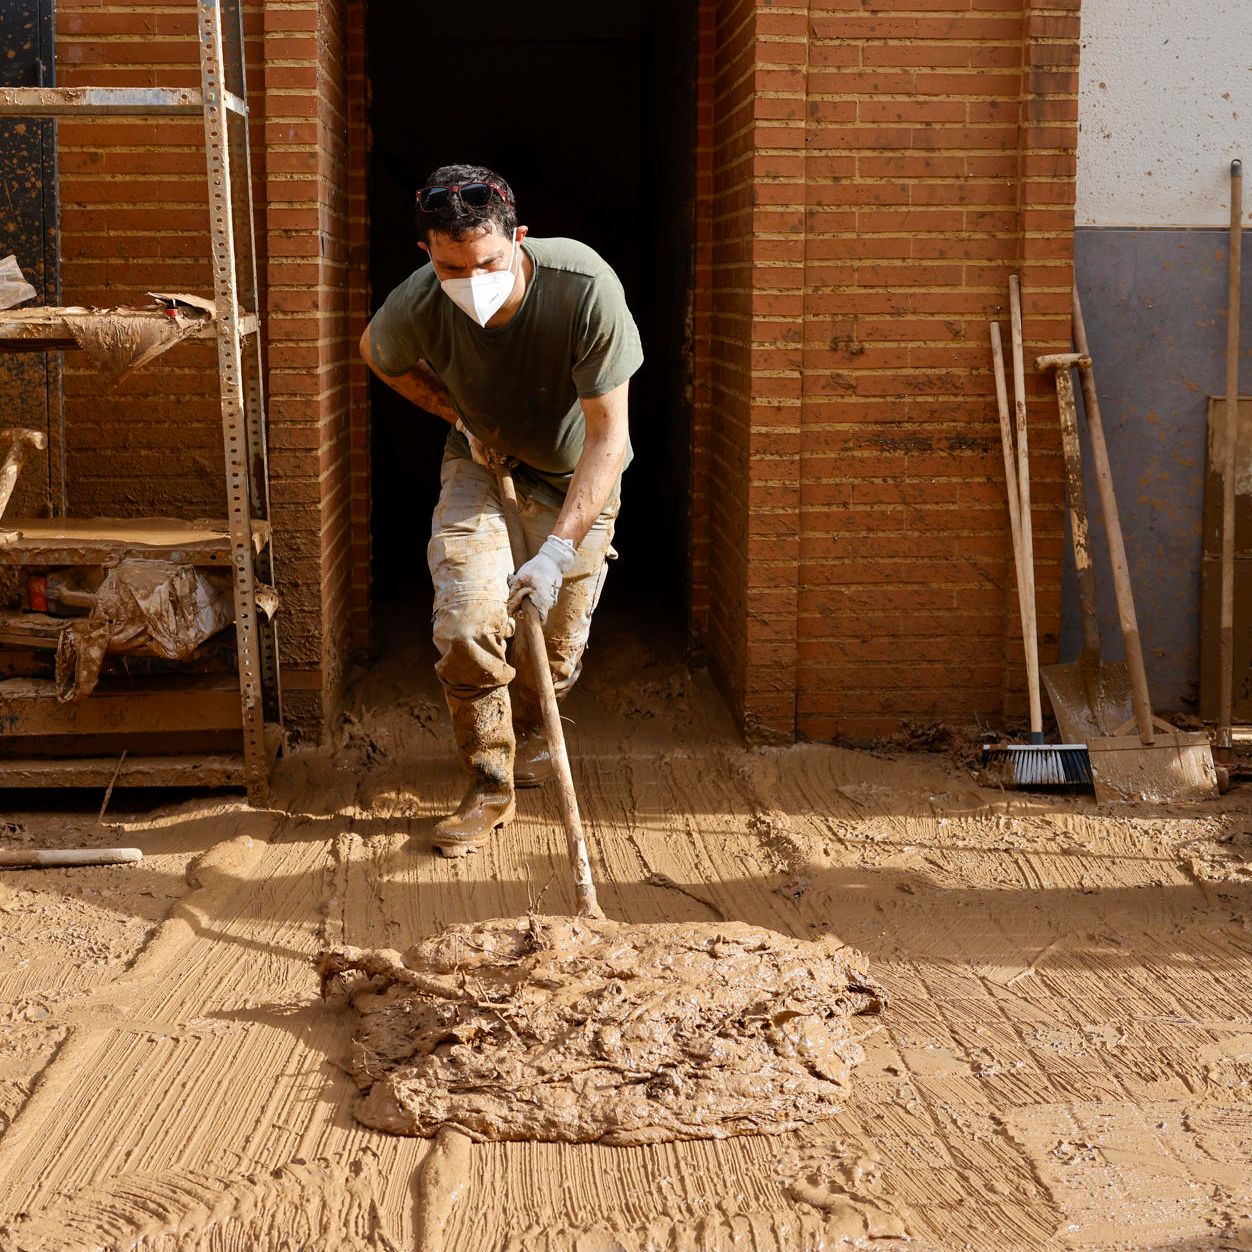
(482, 253)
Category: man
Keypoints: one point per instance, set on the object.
(525, 348)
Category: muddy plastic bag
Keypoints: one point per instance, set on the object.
(14, 289)
(143, 608)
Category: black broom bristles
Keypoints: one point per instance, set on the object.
(1031, 765)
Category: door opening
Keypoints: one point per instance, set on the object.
(589, 112)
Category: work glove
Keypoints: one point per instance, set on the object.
(541, 577)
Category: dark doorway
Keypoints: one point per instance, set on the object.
(589, 112)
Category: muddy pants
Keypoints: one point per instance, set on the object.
(470, 563)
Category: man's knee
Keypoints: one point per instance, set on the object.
(472, 642)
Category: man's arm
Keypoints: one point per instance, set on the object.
(595, 476)
(421, 385)
(598, 469)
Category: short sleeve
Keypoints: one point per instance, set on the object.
(396, 341)
(607, 350)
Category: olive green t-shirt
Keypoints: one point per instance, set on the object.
(517, 387)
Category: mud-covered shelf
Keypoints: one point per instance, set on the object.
(217, 722)
(107, 540)
(49, 328)
(199, 769)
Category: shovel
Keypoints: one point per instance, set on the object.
(1090, 696)
(1158, 763)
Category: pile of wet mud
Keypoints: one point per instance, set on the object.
(578, 1030)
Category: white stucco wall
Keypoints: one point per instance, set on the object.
(1165, 104)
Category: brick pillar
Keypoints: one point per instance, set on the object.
(358, 316)
(309, 333)
(875, 179)
(754, 242)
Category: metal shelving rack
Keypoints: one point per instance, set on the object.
(245, 539)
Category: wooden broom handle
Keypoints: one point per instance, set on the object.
(1113, 531)
(532, 631)
(1030, 620)
(1010, 470)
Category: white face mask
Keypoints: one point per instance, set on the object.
(481, 296)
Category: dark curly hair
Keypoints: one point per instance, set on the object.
(457, 220)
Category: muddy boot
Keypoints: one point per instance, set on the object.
(532, 760)
(484, 738)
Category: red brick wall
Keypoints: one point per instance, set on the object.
(358, 312)
(876, 176)
(867, 179)
(135, 220)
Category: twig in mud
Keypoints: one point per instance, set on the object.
(534, 901)
(108, 791)
(664, 880)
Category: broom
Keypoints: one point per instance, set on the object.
(1037, 763)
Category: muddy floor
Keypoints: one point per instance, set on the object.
(1066, 1061)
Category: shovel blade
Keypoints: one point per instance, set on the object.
(1175, 766)
(1090, 700)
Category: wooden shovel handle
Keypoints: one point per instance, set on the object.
(1079, 528)
(1030, 620)
(1113, 531)
(532, 630)
(1226, 636)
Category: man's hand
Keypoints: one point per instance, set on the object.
(482, 454)
(541, 577)
(478, 450)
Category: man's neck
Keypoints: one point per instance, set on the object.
(505, 313)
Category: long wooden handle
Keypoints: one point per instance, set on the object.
(1079, 529)
(1010, 469)
(1030, 620)
(1113, 531)
(34, 858)
(1226, 638)
(532, 628)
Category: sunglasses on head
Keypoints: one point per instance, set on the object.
(474, 195)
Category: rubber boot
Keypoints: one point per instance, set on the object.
(483, 728)
(532, 759)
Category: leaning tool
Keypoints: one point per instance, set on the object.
(1158, 763)
(1090, 697)
(1037, 763)
(1226, 638)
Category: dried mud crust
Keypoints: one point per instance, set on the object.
(576, 1030)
